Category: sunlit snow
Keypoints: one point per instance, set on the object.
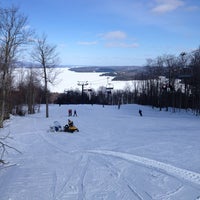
(116, 155)
(67, 80)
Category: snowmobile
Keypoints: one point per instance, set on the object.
(70, 129)
(58, 128)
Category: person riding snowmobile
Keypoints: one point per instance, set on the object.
(70, 123)
(70, 127)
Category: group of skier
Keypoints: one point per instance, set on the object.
(70, 113)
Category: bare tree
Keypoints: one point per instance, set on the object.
(13, 34)
(46, 56)
(33, 89)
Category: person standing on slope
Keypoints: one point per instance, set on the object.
(140, 112)
(75, 113)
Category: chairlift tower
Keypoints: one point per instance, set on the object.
(109, 86)
(82, 84)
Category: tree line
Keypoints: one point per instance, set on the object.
(166, 81)
(171, 81)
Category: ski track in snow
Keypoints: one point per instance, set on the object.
(115, 172)
(84, 162)
(170, 169)
(81, 170)
(70, 189)
(74, 184)
(54, 184)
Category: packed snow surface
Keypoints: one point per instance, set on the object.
(116, 155)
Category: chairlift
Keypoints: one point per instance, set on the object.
(109, 86)
(88, 89)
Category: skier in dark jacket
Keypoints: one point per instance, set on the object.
(69, 112)
(140, 112)
(75, 113)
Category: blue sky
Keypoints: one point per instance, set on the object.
(114, 32)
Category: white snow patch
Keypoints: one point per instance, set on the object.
(175, 171)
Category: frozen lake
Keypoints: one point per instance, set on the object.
(69, 80)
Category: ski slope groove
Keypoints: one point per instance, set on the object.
(172, 170)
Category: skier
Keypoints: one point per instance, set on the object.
(70, 112)
(75, 113)
(140, 112)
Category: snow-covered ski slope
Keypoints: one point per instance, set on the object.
(117, 155)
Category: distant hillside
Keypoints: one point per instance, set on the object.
(118, 72)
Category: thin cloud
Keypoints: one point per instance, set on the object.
(117, 39)
(87, 43)
(121, 45)
(114, 35)
(164, 6)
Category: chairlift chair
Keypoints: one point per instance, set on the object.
(109, 88)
